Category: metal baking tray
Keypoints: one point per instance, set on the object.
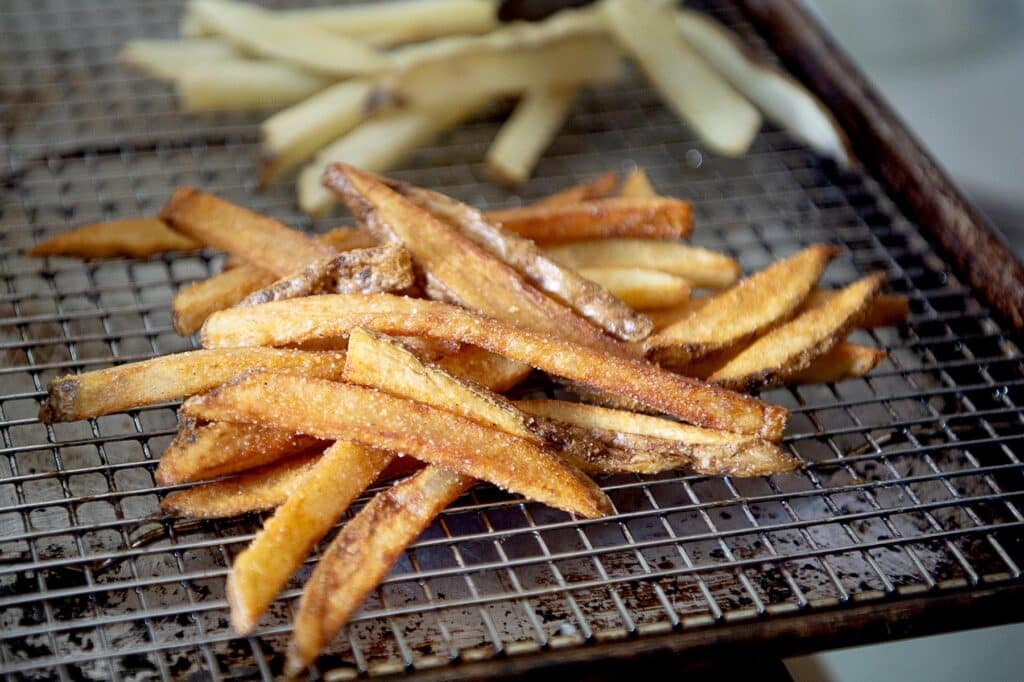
(907, 518)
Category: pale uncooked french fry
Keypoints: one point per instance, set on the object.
(792, 346)
(170, 59)
(722, 117)
(292, 135)
(126, 387)
(377, 145)
(522, 139)
(132, 237)
(641, 288)
(242, 84)
(637, 186)
(782, 99)
(701, 267)
(307, 46)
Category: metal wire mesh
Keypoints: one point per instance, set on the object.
(913, 477)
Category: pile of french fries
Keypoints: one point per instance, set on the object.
(367, 84)
(385, 351)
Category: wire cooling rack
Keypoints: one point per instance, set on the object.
(913, 481)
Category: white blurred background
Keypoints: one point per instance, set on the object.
(954, 71)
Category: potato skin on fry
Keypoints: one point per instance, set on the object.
(133, 238)
(333, 316)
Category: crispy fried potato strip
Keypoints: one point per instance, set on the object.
(360, 271)
(792, 346)
(464, 270)
(845, 361)
(598, 188)
(328, 488)
(332, 410)
(737, 314)
(702, 267)
(657, 218)
(639, 287)
(132, 238)
(126, 387)
(259, 240)
(362, 554)
(257, 490)
(588, 299)
(885, 310)
(488, 369)
(637, 186)
(333, 316)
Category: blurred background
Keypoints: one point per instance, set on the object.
(954, 71)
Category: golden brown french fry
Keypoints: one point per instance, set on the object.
(307, 46)
(637, 186)
(658, 218)
(334, 316)
(333, 410)
(362, 554)
(664, 317)
(359, 271)
(378, 361)
(737, 314)
(485, 368)
(885, 310)
(722, 117)
(792, 346)
(257, 490)
(845, 361)
(193, 304)
(641, 288)
(602, 440)
(244, 84)
(126, 387)
(199, 453)
(598, 188)
(529, 130)
(133, 238)
(261, 241)
(327, 490)
(588, 299)
(170, 59)
(702, 267)
(467, 272)
(292, 135)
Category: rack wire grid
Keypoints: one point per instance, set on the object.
(913, 473)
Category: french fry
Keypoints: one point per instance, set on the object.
(782, 99)
(665, 317)
(359, 271)
(640, 288)
(170, 59)
(311, 509)
(332, 410)
(133, 238)
(602, 440)
(193, 304)
(306, 46)
(845, 361)
(243, 84)
(401, 21)
(637, 186)
(334, 316)
(792, 346)
(598, 188)
(522, 139)
(588, 299)
(261, 241)
(658, 218)
(885, 310)
(126, 387)
(377, 145)
(739, 313)
(292, 135)
(485, 368)
(702, 267)
(722, 117)
(378, 361)
(362, 554)
(467, 272)
(202, 452)
(257, 490)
